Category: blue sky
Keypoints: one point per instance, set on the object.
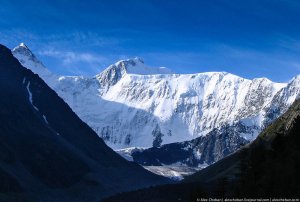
(254, 38)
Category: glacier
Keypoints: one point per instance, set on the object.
(132, 105)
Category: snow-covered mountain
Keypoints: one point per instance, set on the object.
(132, 105)
(29, 60)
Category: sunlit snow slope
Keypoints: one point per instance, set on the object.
(132, 105)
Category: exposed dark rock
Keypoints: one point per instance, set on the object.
(203, 150)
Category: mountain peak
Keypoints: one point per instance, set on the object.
(23, 45)
(130, 62)
(30, 61)
(112, 74)
(137, 66)
(23, 49)
(137, 60)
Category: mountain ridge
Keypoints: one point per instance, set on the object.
(131, 110)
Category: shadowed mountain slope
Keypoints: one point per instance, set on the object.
(47, 153)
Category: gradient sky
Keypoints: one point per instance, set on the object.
(254, 38)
